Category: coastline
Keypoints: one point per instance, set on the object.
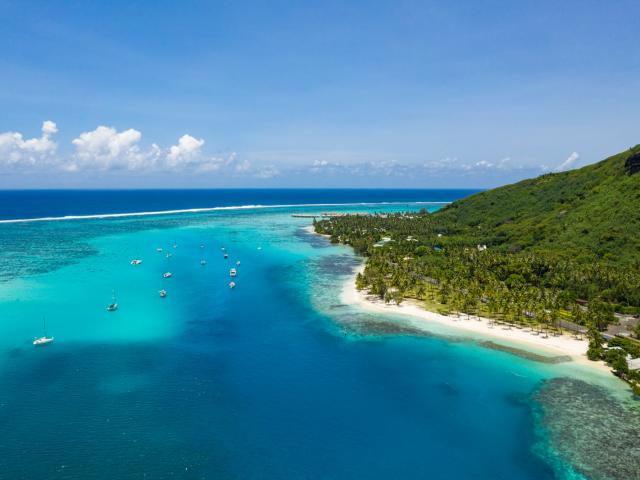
(476, 328)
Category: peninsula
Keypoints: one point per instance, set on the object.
(557, 256)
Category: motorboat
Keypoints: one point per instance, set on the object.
(232, 272)
(136, 261)
(167, 275)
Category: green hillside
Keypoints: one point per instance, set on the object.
(570, 237)
(590, 212)
(545, 254)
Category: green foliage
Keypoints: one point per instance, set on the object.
(551, 241)
(616, 358)
(628, 345)
(595, 350)
(560, 247)
(587, 214)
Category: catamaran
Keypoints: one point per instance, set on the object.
(232, 272)
(44, 340)
(113, 306)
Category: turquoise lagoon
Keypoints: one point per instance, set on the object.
(273, 379)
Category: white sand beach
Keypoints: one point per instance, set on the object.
(475, 327)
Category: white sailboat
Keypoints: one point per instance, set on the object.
(167, 274)
(163, 293)
(232, 284)
(44, 340)
(113, 306)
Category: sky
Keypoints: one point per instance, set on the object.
(433, 94)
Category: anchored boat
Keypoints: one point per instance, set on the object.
(113, 306)
(43, 340)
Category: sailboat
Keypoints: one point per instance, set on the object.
(44, 340)
(167, 274)
(113, 306)
(203, 262)
(232, 284)
(163, 293)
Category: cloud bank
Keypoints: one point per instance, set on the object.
(106, 149)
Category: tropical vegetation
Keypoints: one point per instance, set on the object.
(561, 251)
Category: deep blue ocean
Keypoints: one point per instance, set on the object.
(57, 203)
(274, 379)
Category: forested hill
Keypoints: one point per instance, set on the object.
(563, 247)
(590, 212)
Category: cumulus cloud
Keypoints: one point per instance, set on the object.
(188, 150)
(107, 149)
(16, 151)
(566, 165)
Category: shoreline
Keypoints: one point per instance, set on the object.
(476, 328)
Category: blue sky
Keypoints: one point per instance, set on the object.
(343, 94)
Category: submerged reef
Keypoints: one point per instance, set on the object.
(590, 429)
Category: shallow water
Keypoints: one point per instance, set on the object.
(274, 379)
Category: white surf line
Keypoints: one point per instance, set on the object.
(209, 209)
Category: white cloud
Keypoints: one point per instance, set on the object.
(266, 172)
(16, 151)
(187, 151)
(107, 149)
(49, 127)
(571, 159)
